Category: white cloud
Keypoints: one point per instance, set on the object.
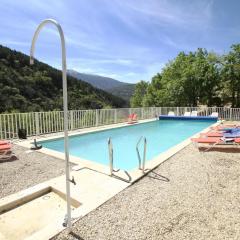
(9, 42)
(162, 12)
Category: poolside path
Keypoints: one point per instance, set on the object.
(30, 169)
(190, 196)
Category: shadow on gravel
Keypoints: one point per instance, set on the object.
(158, 176)
(76, 236)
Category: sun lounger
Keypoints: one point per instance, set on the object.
(6, 153)
(208, 140)
(171, 113)
(234, 133)
(225, 127)
(3, 142)
(187, 114)
(217, 144)
(194, 113)
(212, 134)
(132, 118)
(214, 114)
(5, 147)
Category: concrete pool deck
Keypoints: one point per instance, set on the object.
(94, 187)
(92, 190)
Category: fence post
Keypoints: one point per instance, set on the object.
(230, 113)
(152, 114)
(71, 120)
(96, 118)
(37, 123)
(115, 115)
(177, 111)
(1, 133)
(142, 113)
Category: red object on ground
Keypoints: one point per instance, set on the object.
(5, 147)
(212, 134)
(215, 140)
(132, 118)
(207, 140)
(3, 142)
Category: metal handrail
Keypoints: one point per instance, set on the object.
(141, 162)
(138, 154)
(112, 170)
(110, 153)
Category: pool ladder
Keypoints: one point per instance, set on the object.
(112, 170)
(110, 153)
(141, 162)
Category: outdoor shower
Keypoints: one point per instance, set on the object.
(65, 104)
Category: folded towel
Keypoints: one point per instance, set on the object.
(231, 135)
(231, 130)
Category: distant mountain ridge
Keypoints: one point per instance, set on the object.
(96, 80)
(25, 88)
(113, 86)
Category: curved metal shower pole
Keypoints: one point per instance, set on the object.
(65, 103)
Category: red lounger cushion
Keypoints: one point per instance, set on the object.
(3, 142)
(214, 140)
(207, 140)
(213, 134)
(5, 146)
(132, 118)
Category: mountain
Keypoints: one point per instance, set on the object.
(38, 87)
(113, 86)
(124, 91)
(101, 82)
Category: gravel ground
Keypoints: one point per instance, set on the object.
(29, 170)
(190, 196)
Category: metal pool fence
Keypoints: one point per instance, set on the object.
(38, 123)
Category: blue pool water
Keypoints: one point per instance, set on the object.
(161, 135)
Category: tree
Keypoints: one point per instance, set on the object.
(139, 92)
(155, 92)
(231, 76)
(190, 79)
(39, 87)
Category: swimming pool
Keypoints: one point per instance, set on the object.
(160, 134)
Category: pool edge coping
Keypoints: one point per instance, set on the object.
(135, 173)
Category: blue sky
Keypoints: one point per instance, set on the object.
(129, 40)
